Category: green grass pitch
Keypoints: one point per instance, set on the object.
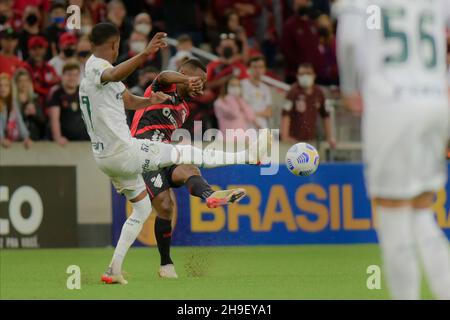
(258, 272)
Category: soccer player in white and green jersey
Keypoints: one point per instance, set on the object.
(394, 72)
(103, 99)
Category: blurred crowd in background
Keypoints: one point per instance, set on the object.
(42, 62)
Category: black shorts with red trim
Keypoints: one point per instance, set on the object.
(159, 181)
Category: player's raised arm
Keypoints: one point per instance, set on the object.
(167, 78)
(349, 39)
(133, 102)
(124, 69)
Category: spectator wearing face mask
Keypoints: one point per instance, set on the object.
(67, 51)
(143, 23)
(231, 110)
(305, 102)
(227, 66)
(31, 27)
(137, 43)
(10, 17)
(56, 28)
(9, 62)
(300, 39)
(184, 47)
(327, 74)
(42, 74)
(256, 93)
(231, 24)
(66, 122)
(84, 48)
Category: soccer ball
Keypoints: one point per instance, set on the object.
(302, 159)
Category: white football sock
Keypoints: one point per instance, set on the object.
(434, 252)
(210, 158)
(130, 230)
(396, 238)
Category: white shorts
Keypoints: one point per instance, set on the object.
(125, 168)
(404, 150)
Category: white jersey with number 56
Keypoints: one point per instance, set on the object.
(103, 110)
(393, 51)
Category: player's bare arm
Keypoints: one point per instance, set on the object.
(195, 84)
(124, 69)
(133, 102)
(349, 40)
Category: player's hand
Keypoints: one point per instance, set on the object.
(332, 142)
(354, 103)
(158, 97)
(27, 143)
(62, 141)
(157, 42)
(195, 85)
(30, 109)
(289, 139)
(6, 143)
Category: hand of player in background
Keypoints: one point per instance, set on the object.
(27, 143)
(332, 142)
(157, 42)
(158, 97)
(5, 143)
(195, 85)
(354, 103)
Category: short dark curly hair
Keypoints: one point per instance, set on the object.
(194, 63)
(102, 32)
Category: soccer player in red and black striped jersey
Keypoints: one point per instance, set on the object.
(157, 123)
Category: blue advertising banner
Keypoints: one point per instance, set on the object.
(331, 206)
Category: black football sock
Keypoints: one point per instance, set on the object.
(163, 234)
(198, 187)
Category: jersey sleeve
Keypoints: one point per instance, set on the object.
(96, 69)
(350, 42)
(322, 109)
(53, 99)
(148, 92)
(289, 104)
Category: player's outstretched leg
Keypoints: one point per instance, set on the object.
(130, 230)
(197, 186)
(257, 153)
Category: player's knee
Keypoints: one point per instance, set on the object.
(140, 201)
(165, 209)
(184, 172)
(192, 170)
(135, 196)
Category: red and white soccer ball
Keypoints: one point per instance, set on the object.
(302, 159)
